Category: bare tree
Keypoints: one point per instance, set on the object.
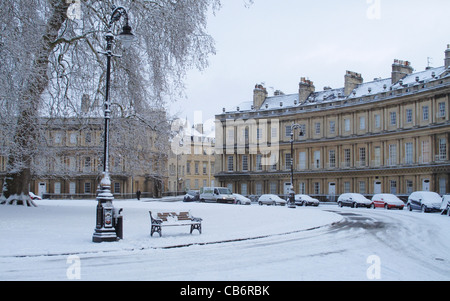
(49, 60)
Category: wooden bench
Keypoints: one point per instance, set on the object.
(171, 219)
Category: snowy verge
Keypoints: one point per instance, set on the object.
(60, 227)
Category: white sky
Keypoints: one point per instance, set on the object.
(278, 41)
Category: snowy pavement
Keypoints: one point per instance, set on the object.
(238, 243)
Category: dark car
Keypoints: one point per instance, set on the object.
(191, 196)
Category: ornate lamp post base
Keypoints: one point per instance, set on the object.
(105, 227)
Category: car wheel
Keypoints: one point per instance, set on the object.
(354, 205)
(340, 204)
(274, 203)
(424, 208)
(238, 202)
(260, 203)
(386, 206)
(372, 206)
(409, 207)
(448, 211)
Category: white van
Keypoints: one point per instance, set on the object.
(217, 195)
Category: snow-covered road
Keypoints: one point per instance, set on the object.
(364, 244)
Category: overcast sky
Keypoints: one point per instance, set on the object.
(276, 42)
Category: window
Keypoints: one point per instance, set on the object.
(442, 149)
(362, 156)
(273, 187)
(196, 185)
(73, 138)
(259, 134)
(425, 113)
(273, 161)
(347, 157)
(58, 138)
(258, 188)
(408, 153)
(377, 156)
(244, 189)
(288, 130)
(196, 165)
(441, 113)
(362, 123)
(332, 158)
(258, 162)
(72, 187)
(188, 167)
(442, 186)
(346, 187)
(117, 187)
(230, 164)
(301, 188)
(347, 125)
(205, 168)
(87, 187)
(317, 127)
(425, 152)
(316, 159)
(393, 186)
(332, 127)
(409, 186)
(87, 138)
(244, 163)
(302, 160)
(362, 187)
(377, 121)
(409, 115)
(393, 118)
(316, 187)
(87, 164)
(287, 162)
(392, 154)
(57, 187)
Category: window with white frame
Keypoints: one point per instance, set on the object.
(302, 188)
(230, 163)
(408, 153)
(302, 160)
(244, 163)
(362, 187)
(273, 188)
(362, 156)
(393, 118)
(288, 130)
(332, 158)
(425, 152)
(332, 127)
(409, 115)
(441, 112)
(425, 113)
(347, 125)
(316, 187)
(316, 159)
(244, 189)
(258, 162)
(409, 186)
(287, 162)
(347, 157)
(392, 160)
(362, 123)
(317, 127)
(393, 186)
(442, 149)
(377, 121)
(258, 187)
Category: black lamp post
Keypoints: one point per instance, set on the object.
(105, 226)
(291, 190)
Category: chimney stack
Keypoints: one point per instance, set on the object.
(447, 57)
(306, 88)
(352, 80)
(400, 69)
(259, 96)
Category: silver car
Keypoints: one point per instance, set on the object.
(271, 199)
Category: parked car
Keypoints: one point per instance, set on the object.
(306, 200)
(241, 200)
(387, 201)
(191, 196)
(216, 194)
(271, 199)
(354, 200)
(426, 201)
(445, 205)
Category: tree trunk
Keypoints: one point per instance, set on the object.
(17, 183)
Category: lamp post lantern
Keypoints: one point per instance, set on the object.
(105, 229)
(291, 203)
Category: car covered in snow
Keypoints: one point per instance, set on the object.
(387, 201)
(271, 199)
(191, 196)
(354, 200)
(425, 201)
(445, 205)
(305, 200)
(241, 200)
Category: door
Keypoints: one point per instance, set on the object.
(377, 187)
(42, 189)
(426, 185)
(332, 191)
(287, 188)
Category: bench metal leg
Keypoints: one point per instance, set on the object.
(196, 227)
(156, 228)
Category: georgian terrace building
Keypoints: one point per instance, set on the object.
(388, 135)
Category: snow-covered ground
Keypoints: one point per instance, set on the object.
(254, 242)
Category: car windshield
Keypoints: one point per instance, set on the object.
(224, 191)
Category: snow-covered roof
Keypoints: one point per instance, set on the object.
(329, 95)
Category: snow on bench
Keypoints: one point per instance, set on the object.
(170, 219)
